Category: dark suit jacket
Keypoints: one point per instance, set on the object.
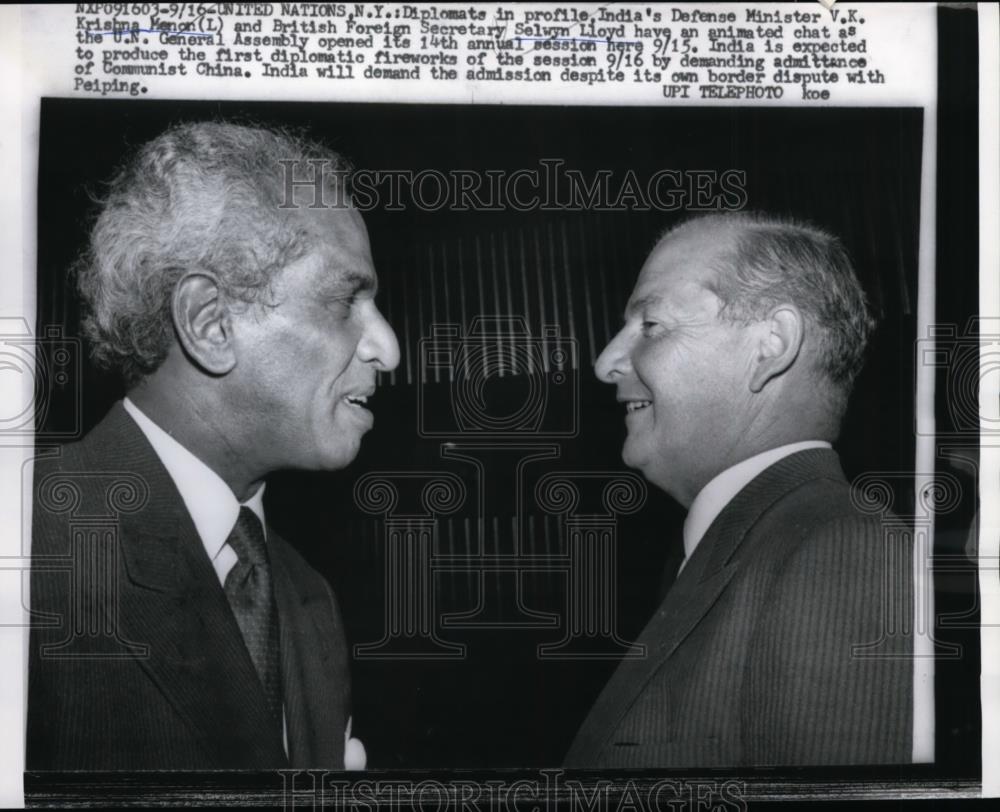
(136, 661)
(749, 657)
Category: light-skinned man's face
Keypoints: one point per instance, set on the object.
(681, 373)
(306, 364)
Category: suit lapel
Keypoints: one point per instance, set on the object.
(171, 601)
(697, 588)
(315, 717)
(297, 717)
(688, 600)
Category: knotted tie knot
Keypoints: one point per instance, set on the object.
(247, 541)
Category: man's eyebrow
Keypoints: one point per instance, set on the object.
(351, 283)
(640, 304)
(361, 282)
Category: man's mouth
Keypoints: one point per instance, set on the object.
(632, 406)
(357, 401)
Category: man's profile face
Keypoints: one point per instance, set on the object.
(307, 363)
(680, 372)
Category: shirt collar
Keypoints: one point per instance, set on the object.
(212, 505)
(720, 491)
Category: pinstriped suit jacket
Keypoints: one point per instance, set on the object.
(166, 681)
(781, 642)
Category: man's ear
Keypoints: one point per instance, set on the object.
(203, 324)
(779, 346)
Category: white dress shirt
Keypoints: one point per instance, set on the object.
(213, 507)
(720, 491)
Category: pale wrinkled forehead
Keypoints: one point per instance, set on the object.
(685, 264)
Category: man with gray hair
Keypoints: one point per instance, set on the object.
(741, 341)
(237, 302)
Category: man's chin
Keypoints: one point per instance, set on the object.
(333, 459)
(632, 456)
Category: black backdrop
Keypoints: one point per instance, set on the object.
(854, 171)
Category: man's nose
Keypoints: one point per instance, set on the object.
(614, 362)
(378, 345)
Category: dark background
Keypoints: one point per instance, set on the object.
(856, 172)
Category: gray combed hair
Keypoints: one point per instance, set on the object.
(206, 195)
(772, 260)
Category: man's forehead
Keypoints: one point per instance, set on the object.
(681, 270)
(334, 231)
(688, 259)
(343, 224)
(338, 242)
(669, 295)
